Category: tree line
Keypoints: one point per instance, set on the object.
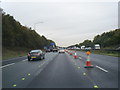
(109, 39)
(16, 35)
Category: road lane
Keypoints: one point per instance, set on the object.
(103, 79)
(105, 61)
(14, 60)
(7, 65)
(14, 73)
(101, 69)
(60, 73)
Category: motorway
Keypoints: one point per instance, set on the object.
(61, 71)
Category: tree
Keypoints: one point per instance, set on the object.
(87, 43)
(16, 35)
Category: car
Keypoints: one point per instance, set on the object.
(55, 50)
(48, 50)
(36, 55)
(61, 51)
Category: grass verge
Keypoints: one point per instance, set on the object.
(109, 53)
(8, 53)
(103, 52)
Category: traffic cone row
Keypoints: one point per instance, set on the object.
(70, 53)
(88, 61)
(75, 55)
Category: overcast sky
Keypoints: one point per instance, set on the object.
(66, 22)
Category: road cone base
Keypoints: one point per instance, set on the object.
(75, 57)
(89, 66)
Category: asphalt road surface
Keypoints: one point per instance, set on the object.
(61, 71)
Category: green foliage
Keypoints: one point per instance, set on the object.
(87, 43)
(107, 39)
(16, 35)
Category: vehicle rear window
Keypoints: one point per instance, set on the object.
(36, 51)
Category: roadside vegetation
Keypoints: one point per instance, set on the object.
(113, 53)
(107, 40)
(109, 43)
(16, 38)
(13, 53)
(109, 53)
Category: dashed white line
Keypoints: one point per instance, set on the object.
(101, 69)
(80, 58)
(24, 60)
(7, 65)
(38, 72)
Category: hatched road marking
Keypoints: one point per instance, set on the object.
(102, 69)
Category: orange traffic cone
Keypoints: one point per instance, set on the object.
(75, 56)
(70, 53)
(88, 62)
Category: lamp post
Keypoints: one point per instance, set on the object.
(36, 24)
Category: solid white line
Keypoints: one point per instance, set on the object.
(7, 65)
(12, 59)
(102, 69)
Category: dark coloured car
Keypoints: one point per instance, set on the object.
(36, 55)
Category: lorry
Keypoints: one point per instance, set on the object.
(97, 46)
(51, 48)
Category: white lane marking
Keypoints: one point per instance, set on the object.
(12, 59)
(24, 60)
(101, 69)
(7, 65)
(38, 72)
(80, 58)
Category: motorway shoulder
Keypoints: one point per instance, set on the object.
(13, 60)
